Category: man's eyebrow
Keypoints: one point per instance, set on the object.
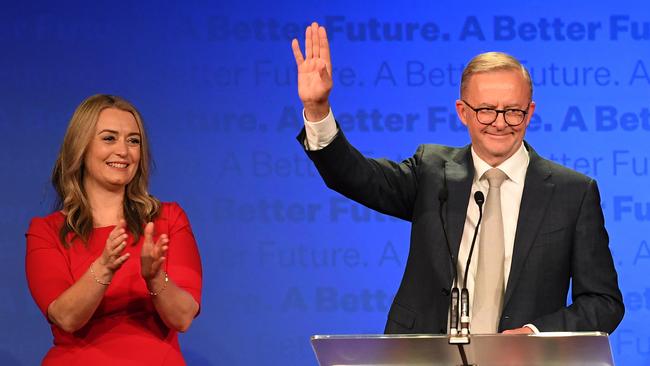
(514, 106)
(486, 105)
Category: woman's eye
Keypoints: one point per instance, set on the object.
(134, 141)
(108, 138)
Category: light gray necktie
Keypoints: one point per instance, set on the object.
(488, 287)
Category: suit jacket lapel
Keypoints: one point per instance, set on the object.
(459, 172)
(534, 202)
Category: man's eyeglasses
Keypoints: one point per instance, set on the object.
(487, 116)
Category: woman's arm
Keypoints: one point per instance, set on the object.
(176, 307)
(76, 305)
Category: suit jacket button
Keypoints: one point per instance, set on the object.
(506, 317)
(445, 291)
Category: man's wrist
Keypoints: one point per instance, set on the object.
(317, 111)
(532, 327)
(321, 133)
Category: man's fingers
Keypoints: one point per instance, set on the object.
(325, 48)
(316, 44)
(323, 72)
(315, 40)
(295, 46)
(308, 44)
(522, 330)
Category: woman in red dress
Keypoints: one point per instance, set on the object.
(116, 272)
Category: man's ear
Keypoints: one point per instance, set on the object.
(460, 111)
(531, 110)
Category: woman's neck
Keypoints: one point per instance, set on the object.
(107, 207)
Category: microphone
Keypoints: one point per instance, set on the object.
(479, 198)
(443, 195)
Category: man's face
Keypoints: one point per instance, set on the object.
(503, 89)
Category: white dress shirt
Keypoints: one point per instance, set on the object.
(511, 190)
(322, 133)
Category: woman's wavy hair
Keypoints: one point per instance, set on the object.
(67, 176)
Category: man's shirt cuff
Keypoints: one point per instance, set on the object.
(321, 133)
(533, 328)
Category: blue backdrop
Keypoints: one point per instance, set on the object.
(284, 257)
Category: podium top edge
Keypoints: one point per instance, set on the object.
(439, 336)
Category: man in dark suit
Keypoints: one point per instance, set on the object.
(543, 227)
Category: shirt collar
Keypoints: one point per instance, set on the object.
(515, 166)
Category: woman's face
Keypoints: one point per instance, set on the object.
(113, 154)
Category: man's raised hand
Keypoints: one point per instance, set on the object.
(314, 72)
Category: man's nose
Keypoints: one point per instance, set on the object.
(500, 122)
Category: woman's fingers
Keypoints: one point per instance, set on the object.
(153, 255)
(122, 259)
(162, 240)
(148, 233)
(120, 238)
(155, 265)
(117, 235)
(159, 252)
(162, 251)
(119, 248)
(116, 242)
(119, 228)
(117, 263)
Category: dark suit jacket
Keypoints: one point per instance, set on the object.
(560, 237)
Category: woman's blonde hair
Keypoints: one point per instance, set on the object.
(67, 176)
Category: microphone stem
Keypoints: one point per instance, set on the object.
(464, 295)
(471, 249)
